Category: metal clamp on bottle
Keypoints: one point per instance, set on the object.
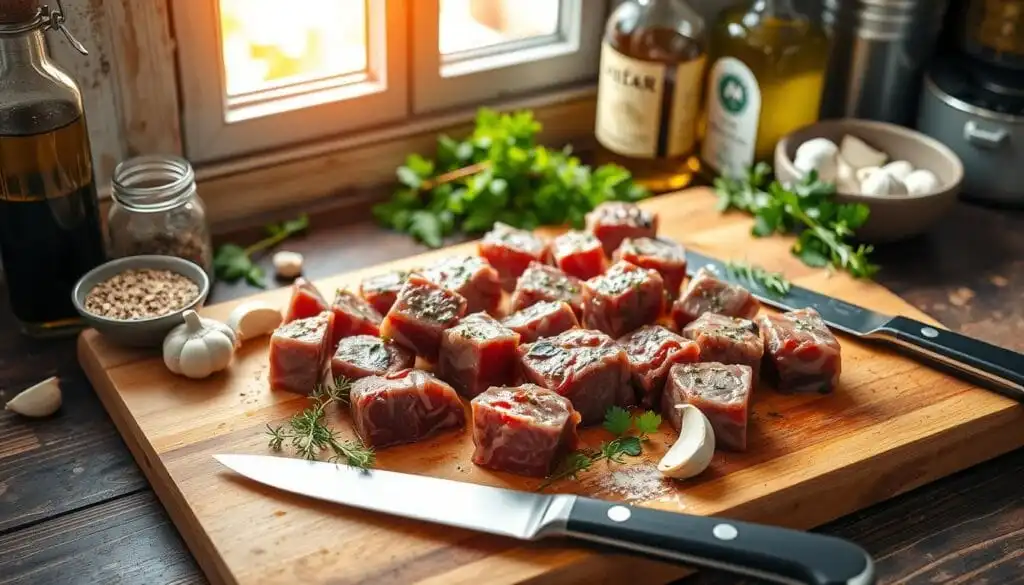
(45, 19)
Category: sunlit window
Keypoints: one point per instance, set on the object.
(468, 25)
(270, 43)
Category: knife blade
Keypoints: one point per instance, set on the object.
(767, 552)
(992, 367)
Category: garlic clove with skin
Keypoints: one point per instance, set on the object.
(922, 182)
(817, 154)
(253, 319)
(882, 183)
(39, 400)
(899, 169)
(287, 265)
(862, 174)
(859, 154)
(691, 453)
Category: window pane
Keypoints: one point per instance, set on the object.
(269, 43)
(467, 25)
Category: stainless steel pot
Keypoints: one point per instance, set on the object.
(984, 127)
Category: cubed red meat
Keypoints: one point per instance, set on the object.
(622, 299)
(306, 301)
(615, 221)
(360, 356)
(403, 407)
(510, 251)
(720, 391)
(661, 254)
(298, 353)
(381, 290)
(525, 430)
(727, 340)
(544, 319)
(585, 366)
(801, 353)
(353, 315)
(541, 282)
(578, 254)
(478, 353)
(471, 277)
(421, 313)
(652, 351)
(708, 294)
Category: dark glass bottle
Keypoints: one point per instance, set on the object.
(49, 215)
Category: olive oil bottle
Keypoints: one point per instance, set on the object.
(649, 91)
(767, 68)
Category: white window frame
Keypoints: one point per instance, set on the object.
(216, 128)
(568, 56)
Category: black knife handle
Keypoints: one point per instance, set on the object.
(767, 552)
(993, 367)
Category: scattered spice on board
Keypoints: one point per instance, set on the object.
(141, 294)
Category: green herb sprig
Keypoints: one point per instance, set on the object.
(807, 208)
(233, 262)
(619, 422)
(498, 173)
(309, 435)
(774, 282)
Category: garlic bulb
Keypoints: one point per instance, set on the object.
(817, 154)
(39, 400)
(881, 183)
(253, 319)
(287, 264)
(691, 453)
(859, 154)
(922, 182)
(199, 347)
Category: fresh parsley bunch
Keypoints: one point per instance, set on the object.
(498, 173)
(808, 208)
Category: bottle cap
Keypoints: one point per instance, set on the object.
(18, 11)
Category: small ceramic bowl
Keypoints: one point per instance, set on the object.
(893, 217)
(140, 332)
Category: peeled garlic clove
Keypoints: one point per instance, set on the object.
(846, 177)
(859, 154)
(899, 169)
(40, 400)
(922, 182)
(287, 264)
(253, 319)
(817, 154)
(881, 183)
(691, 453)
(862, 174)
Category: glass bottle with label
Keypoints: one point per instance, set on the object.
(767, 67)
(649, 94)
(49, 216)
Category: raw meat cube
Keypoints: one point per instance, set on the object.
(578, 254)
(661, 254)
(381, 290)
(360, 356)
(587, 367)
(510, 251)
(524, 430)
(353, 315)
(622, 299)
(422, 312)
(544, 319)
(478, 353)
(720, 391)
(471, 277)
(727, 340)
(801, 353)
(306, 301)
(708, 294)
(299, 351)
(615, 221)
(403, 407)
(541, 282)
(652, 351)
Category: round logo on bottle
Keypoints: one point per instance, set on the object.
(732, 93)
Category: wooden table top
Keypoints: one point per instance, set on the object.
(75, 508)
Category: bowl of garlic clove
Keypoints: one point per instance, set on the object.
(907, 179)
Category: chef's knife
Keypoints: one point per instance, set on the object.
(987, 365)
(766, 552)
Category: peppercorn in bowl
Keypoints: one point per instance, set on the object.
(137, 300)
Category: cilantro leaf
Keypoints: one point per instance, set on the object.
(426, 227)
(647, 423)
(617, 420)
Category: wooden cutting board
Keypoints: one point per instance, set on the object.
(892, 425)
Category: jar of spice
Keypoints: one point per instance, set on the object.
(156, 211)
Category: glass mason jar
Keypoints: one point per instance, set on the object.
(156, 211)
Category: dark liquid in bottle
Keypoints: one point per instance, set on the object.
(49, 217)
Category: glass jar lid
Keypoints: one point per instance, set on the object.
(153, 183)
